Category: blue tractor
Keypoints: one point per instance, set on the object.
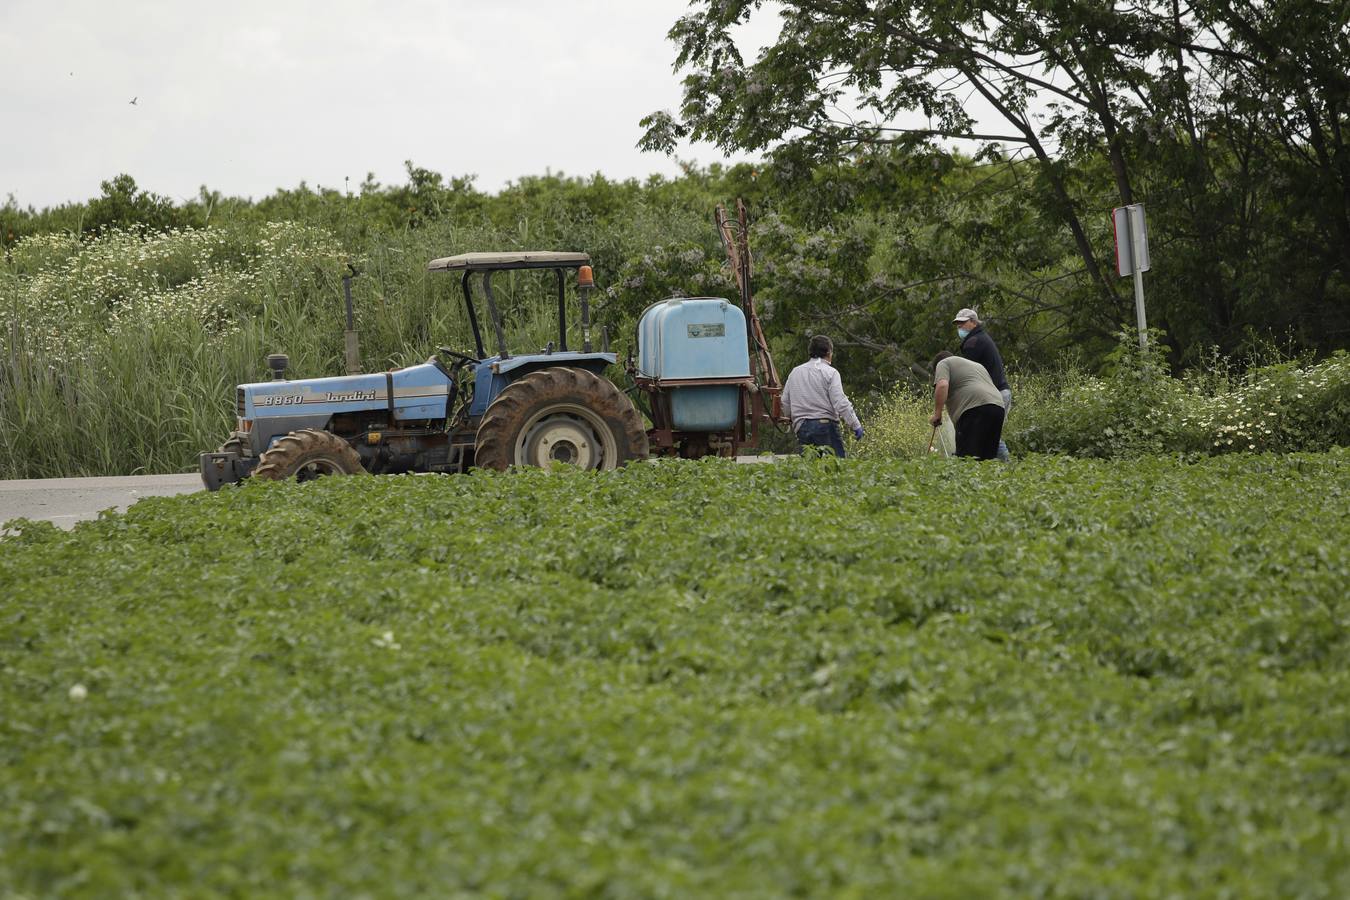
(452, 412)
(691, 375)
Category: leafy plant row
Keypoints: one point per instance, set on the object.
(1063, 678)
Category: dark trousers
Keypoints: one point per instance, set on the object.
(821, 433)
(978, 431)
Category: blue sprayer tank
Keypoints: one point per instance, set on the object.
(695, 338)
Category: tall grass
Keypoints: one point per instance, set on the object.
(119, 354)
(897, 426)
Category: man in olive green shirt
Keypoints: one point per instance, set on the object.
(972, 401)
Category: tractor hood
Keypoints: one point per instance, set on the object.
(417, 392)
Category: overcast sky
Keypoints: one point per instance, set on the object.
(247, 96)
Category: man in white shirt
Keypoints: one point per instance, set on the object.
(814, 399)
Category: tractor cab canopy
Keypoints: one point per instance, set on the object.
(486, 264)
(526, 259)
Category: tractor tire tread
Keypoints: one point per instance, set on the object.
(288, 454)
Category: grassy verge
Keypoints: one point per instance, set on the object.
(1139, 410)
(1062, 678)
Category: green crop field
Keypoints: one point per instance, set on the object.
(1063, 678)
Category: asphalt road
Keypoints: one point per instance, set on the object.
(65, 501)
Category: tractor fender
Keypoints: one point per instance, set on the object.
(494, 374)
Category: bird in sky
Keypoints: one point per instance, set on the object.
(134, 99)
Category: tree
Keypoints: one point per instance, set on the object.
(124, 205)
(847, 75)
(1177, 99)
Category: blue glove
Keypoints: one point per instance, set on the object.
(858, 433)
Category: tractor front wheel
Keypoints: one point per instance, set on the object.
(308, 454)
(560, 415)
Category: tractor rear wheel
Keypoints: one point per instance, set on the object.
(308, 454)
(560, 415)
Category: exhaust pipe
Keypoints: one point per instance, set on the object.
(278, 362)
(353, 346)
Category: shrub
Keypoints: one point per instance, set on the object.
(1277, 408)
(1281, 408)
(1137, 409)
(1125, 413)
(896, 425)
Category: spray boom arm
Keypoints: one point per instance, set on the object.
(736, 240)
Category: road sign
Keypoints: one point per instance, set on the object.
(1132, 256)
(1131, 239)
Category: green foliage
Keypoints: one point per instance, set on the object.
(119, 349)
(1225, 120)
(1059, 679)
(1136, 408)
(119, 346)
(885, 281)
(1139, 409)
(897, 425)
(124, 205)
(120, 352)
(665, 272)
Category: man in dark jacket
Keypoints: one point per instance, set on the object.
(978, 346)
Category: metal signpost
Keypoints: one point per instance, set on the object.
(1132, 255)
(353, 347)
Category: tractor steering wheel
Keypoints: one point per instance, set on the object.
(463, 357)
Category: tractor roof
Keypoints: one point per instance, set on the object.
(520, 259)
